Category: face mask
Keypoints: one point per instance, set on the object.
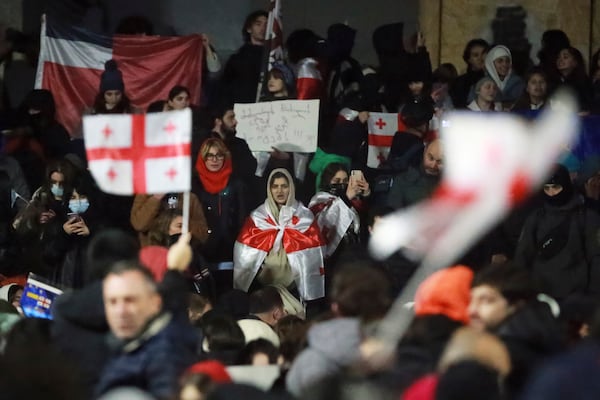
(57, 191)
(337, 189)
(173, 239)
(79, 206)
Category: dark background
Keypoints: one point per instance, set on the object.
(222, 19)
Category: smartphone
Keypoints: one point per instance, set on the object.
(71, 216)
(357, 174)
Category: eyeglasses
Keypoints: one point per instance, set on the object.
(213, 157)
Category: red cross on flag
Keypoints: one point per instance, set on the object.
(382, 127)
(130, 153)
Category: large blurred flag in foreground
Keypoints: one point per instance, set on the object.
(491, 162)
(72, 60)
(140, 153)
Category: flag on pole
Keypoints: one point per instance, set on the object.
(148, 153)
(72, 59)
(274, 33)
(382, 127)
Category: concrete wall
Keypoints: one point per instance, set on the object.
(462, 20)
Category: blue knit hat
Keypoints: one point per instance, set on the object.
(112, 78)
(288, 75)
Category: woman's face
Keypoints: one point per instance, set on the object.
(57, 178)
(502, 65)
(565, 63)
(180, 102)
(275, 85)
(488, 91)
(214, 159)
(340, 177)
(477, 58)
(280, 190)
(536, 86)
(175, 225)
(112, 98)
(77, 196)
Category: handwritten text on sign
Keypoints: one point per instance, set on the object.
(288, 125)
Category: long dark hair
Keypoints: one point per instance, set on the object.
(579, 72)
(123, 107)
(524, 101)
(329, 172)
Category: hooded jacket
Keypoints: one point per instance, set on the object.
(332, 346)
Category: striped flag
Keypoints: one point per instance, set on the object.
(382, 127)
(140, 153)
(72, 60)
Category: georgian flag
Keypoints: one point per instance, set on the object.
(298, 233)
(382, 127)
(72, 59)
(148, 153)
(334, 218)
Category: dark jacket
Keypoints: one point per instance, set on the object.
(225, 213)
(531, 335)
(154, 360)
(241, 74)
(561, 247)
(462, 87)
(79, 331)
(410, 187)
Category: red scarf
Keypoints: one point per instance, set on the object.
(213, 182)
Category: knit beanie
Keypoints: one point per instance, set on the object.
(446, 292)
(321, 160)
(214, 369)
(288, 75)
(112, 78)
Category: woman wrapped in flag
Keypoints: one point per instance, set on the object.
(280, 243)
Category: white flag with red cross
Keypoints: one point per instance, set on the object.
(140, 153)
(382, 127)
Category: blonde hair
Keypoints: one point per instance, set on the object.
(218, 144)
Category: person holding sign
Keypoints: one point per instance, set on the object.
(280, 243)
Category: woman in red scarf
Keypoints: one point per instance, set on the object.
(224, 207)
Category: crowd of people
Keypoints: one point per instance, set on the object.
(274, 270)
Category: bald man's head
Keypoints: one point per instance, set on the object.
(433, 158)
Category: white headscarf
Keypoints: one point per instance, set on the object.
(495, 53)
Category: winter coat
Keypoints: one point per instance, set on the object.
(410, 187)
(560, 245)
(225, 213)
(332, 346)
(531, 335)
(79, 331)
(154, 360)
(146, 208)
(241, 74)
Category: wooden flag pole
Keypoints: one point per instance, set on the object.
(185, 228)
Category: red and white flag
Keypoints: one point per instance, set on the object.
(334, 218)
(295, 230)
(382, 127)
(72, 59)
(275, 33)
(131, 153)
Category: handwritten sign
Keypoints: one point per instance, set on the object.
(288, 125)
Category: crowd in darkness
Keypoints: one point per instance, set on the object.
(274, 271)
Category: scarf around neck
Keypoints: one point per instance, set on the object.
(214, 182)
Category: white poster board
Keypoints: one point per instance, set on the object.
(288, 125)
